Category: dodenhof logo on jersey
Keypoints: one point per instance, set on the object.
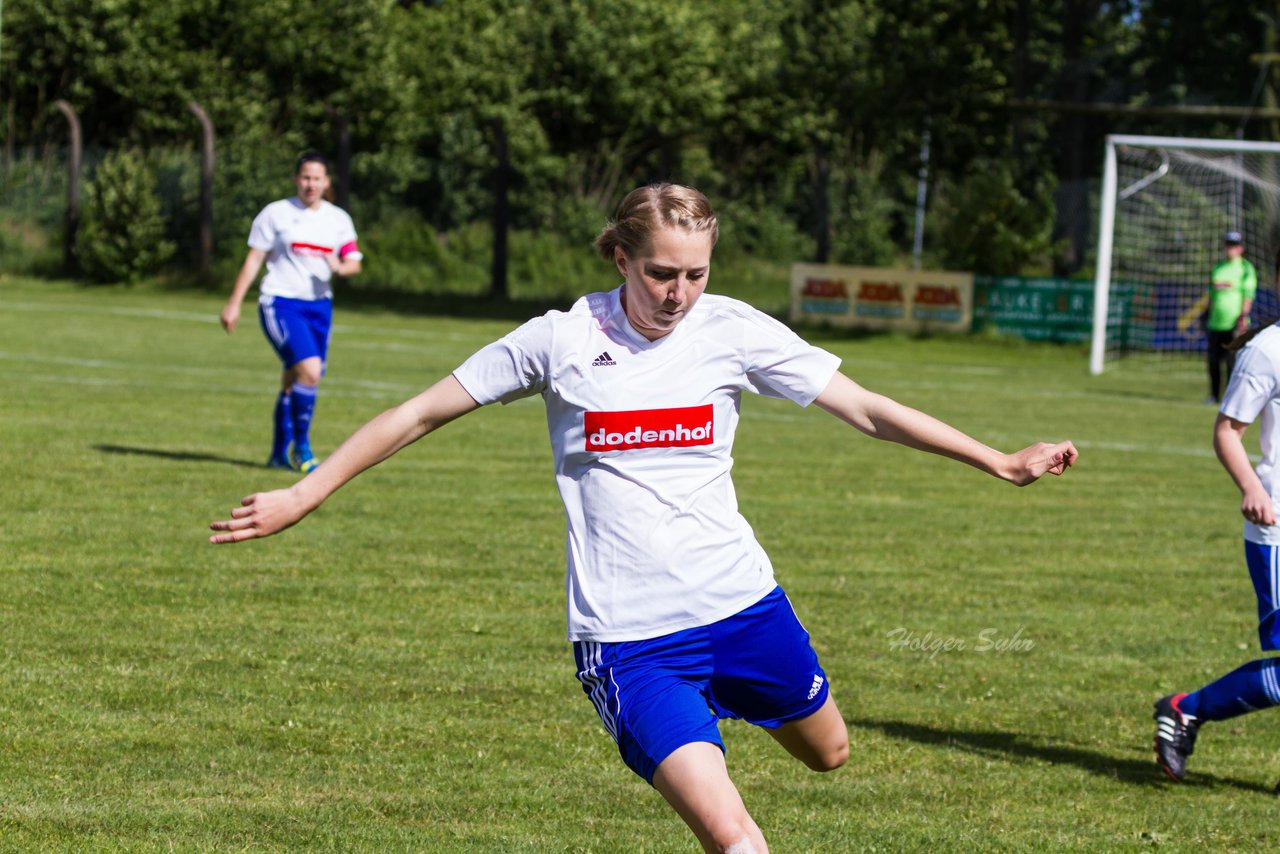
(650, 428)
(310, 249)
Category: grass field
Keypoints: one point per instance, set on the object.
(392, 674)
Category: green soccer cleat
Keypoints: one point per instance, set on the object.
(303, 460)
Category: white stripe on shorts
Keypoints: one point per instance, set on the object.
(275, 331)
(1275, 577)
(598, 689)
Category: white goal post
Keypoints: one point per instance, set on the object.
(1165, 204)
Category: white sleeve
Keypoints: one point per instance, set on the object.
(782, 364)
(1252, 386)
(512, 367)
(263, 233)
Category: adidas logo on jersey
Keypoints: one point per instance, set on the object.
(603, 360)
(816, 687)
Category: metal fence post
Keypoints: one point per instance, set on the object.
(204, 243)
(75, 143)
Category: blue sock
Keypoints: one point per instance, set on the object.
(302, 404)
(282, 434)
(1250, 687)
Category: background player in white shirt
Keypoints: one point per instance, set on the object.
(304, 240)
(668, 594)
(1253, 394)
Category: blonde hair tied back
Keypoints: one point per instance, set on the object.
(649, 208)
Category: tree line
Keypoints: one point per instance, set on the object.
(805, 122)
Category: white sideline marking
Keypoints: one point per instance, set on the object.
(201, 317)
(72, 361)
(977, 370)
(71, 308)
(332, 385)
(258, 389)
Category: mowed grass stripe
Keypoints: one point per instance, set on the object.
(391, 675)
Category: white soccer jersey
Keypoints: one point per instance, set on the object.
(1253, 394)
(642, 433)
(296, 239)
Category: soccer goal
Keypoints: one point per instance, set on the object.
(1166, 202)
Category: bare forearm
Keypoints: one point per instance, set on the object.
(1228, 444)
(244, 280)
(895, 422)
(371, 444)
(384, 436)
(884, 418)
(265, 513)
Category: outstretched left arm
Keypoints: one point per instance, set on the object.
(884, 418)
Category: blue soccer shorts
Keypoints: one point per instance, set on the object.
(1264, 571)
(660, 694)
(297, 328)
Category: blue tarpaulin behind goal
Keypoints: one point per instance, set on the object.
(1175, 315)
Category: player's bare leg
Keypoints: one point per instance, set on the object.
(820, 741)
(308, 372)
(695, 781)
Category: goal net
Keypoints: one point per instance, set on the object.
(1166, 203)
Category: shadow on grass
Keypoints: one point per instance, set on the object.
(1010, 745)
(1146, 394)
(449, 305)
(177, 456)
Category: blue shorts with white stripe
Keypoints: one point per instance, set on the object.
(1264, 570)
(297, 328)
(657, 695)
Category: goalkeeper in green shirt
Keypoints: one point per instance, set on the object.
(1233, 284)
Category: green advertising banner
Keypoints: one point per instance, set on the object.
(1041, 309)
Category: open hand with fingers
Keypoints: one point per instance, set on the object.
(261, 515)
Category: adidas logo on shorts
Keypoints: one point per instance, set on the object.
(603, 360)
(817, 686)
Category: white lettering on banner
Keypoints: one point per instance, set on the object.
(649, 428)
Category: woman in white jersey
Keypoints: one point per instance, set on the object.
(673, 610)
(304, 240)
(1253, 394)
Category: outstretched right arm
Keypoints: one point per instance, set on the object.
(265, 513)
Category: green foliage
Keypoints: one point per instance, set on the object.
(987, 223)
(33, 193)
(28, 249)
(755, 228)
(404, 253)
(808, 112)
(864, 216)
(121, 234)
